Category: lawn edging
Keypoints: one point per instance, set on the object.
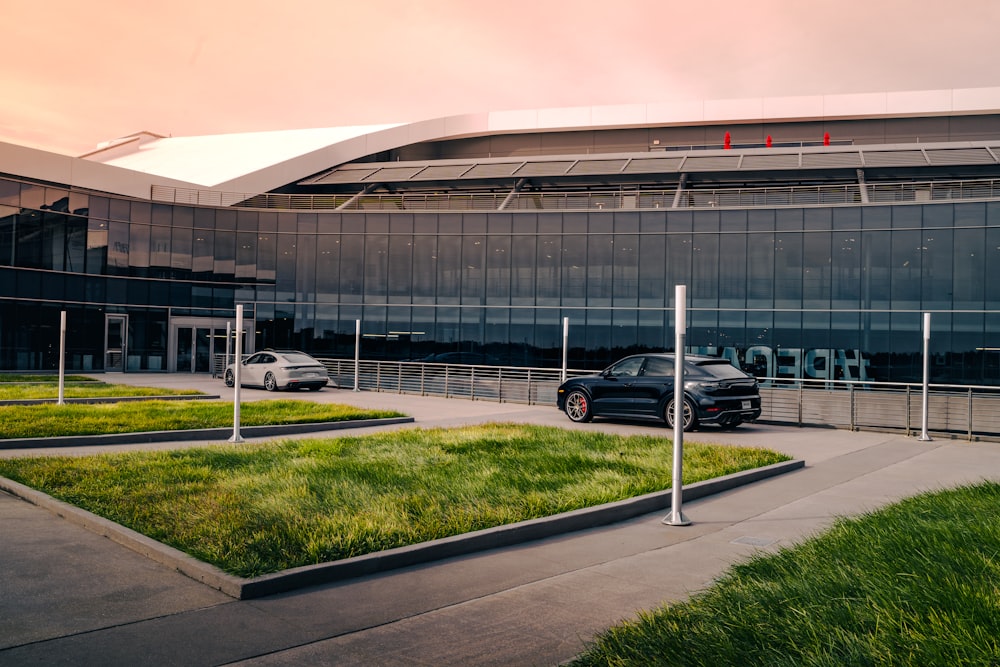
(223, 433)
(457, 545)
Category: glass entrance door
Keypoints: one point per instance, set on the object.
(115, 340)
(198, 345)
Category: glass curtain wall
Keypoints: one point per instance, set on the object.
(821, 292)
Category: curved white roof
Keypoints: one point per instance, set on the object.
(258, 162)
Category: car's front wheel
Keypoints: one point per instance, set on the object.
(690, 421)
(270, 382)
(230, 377)
(578, 406)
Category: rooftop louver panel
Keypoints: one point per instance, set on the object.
(831, 160)
(394, 174)
(712, 163)
(443, 171)
(598, 166)
(960, 156)
(342, 175)
(544, 168)
(495, 170)
(771, 161)
(653, 165)
(907, 158)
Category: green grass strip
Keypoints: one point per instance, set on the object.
(11, 391)
(49, 420)
(256, 508)
(916, 583)
(48, 378)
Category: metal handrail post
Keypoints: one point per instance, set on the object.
(909, 416)
(357, 354)
(850, 406)
(970, 414)
(801, 398)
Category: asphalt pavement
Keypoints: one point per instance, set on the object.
(70, 595)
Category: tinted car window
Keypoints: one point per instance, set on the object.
(722, 369)
(658, 366)
(627, 368)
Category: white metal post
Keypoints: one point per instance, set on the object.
(62, 359)
(676, 517)
(565, 348)
(229, 341)
(237, 366)
(357, 354)
(924, 401)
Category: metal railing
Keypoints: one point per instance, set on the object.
(501, 384)
(554, 200)
(958, 411)
(954, 411)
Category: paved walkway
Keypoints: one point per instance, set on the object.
(68, 596)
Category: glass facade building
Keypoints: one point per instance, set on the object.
(819, 291)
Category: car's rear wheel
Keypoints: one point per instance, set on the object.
(578, 406)
(229, 377)
(690, 421)
(270, 382)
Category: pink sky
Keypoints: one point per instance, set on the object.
(78, 73)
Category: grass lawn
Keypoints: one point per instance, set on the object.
(47, 378)
(916, 583)
(252, 509)
(49, 420)
(29, 387)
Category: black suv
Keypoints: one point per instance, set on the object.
(642, 386)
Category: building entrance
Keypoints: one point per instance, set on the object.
(195, 342)
(115, 341)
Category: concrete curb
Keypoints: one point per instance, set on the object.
(311, 575)
(209, 434)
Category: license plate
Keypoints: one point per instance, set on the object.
(312, 375)
(746, 405)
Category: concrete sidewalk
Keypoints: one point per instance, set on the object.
(68, 596)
